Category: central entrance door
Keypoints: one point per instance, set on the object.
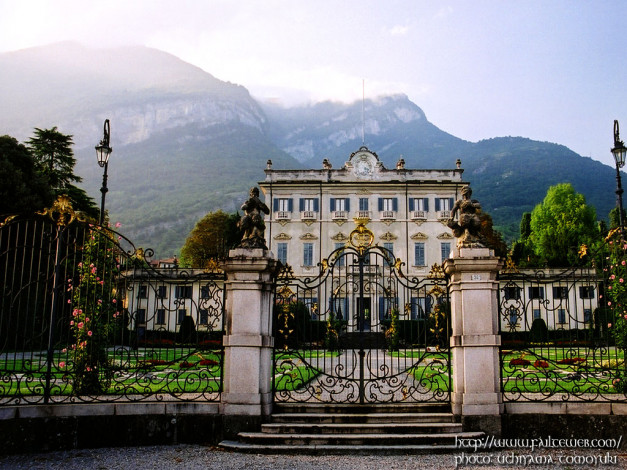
(361, 331)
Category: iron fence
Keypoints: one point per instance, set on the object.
(85, 317)
(557, 342)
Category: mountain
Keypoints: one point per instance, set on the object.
(185, 143)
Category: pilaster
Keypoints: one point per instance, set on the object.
(248, 341)
(475, 339)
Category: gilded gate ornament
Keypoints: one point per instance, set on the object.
(362, 237)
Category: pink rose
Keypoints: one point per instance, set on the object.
(89, 333)
(80, 325)
(62, 364)
(118, 225)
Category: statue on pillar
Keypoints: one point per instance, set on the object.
(251, 224)
(467, 229)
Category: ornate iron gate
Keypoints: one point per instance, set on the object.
(361, 331)
(84, 317)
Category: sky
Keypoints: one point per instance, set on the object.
(548, 70)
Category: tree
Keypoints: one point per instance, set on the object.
(54, 159)
(492, 238)
(211, 238)
(560, 225)
(22, 188)
(54, 156)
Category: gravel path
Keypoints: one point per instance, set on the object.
(192, 457)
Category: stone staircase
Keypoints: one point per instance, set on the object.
(338, 429)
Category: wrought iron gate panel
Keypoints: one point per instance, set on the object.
(361, 332)
(84, 317)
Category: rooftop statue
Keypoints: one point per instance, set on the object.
(467, 229)
(251, 223)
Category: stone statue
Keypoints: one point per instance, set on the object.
(251, 223)
(467, 229)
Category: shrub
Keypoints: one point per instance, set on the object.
(539, 332)
(539, 364)
(519, 361)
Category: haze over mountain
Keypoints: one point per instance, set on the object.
(185, 143)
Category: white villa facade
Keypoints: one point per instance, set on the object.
(312, 211)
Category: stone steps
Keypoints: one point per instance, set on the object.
(336, 429)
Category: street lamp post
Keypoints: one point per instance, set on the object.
(102, 153)
(619, 152)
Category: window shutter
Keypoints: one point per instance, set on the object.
(428, 305)
(380, 204)
(301, 204)
(395, 204)
(426, 204)
(332, 204)
(411, 204)
(290, 204)
(451, 202)
(347, 205)
(276, 204)
(316, 206)
(437, 204)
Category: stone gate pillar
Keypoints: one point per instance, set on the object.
(475, 340)
(248, 341)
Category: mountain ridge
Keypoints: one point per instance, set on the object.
(185, 143)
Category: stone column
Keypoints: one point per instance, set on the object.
(248, 340)
(475, 340)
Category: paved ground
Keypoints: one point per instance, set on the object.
(190, 457)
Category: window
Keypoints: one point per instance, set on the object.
(341, 260)
(386, 305)
(419, 204)
(388, 204)
(511, 293)
(363, 204)
(419, 254)
(444, 204)
(420, 307)
(536, 313)
(312, 306)
(339, 307)
(536, 293)
(586, 292)
(142, 292)
(203, 317)
(445, 250)
(183, 292)
(560, 292)
(340, 204)
(141, 316)
(307, 254)
(309, 204)
(389, 251)
(513, 317)
(561, 316)
(283, 205)
(282, 252)
(162, 292)
(182, 313)
(160, 316)
(204, 292)
(587, 315)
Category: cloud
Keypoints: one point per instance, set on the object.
(399, 30)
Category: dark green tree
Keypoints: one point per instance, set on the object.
(525, 226)
(560, 225)
(54, 156)
(22, 188)
(210, 239)
(54, 159)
